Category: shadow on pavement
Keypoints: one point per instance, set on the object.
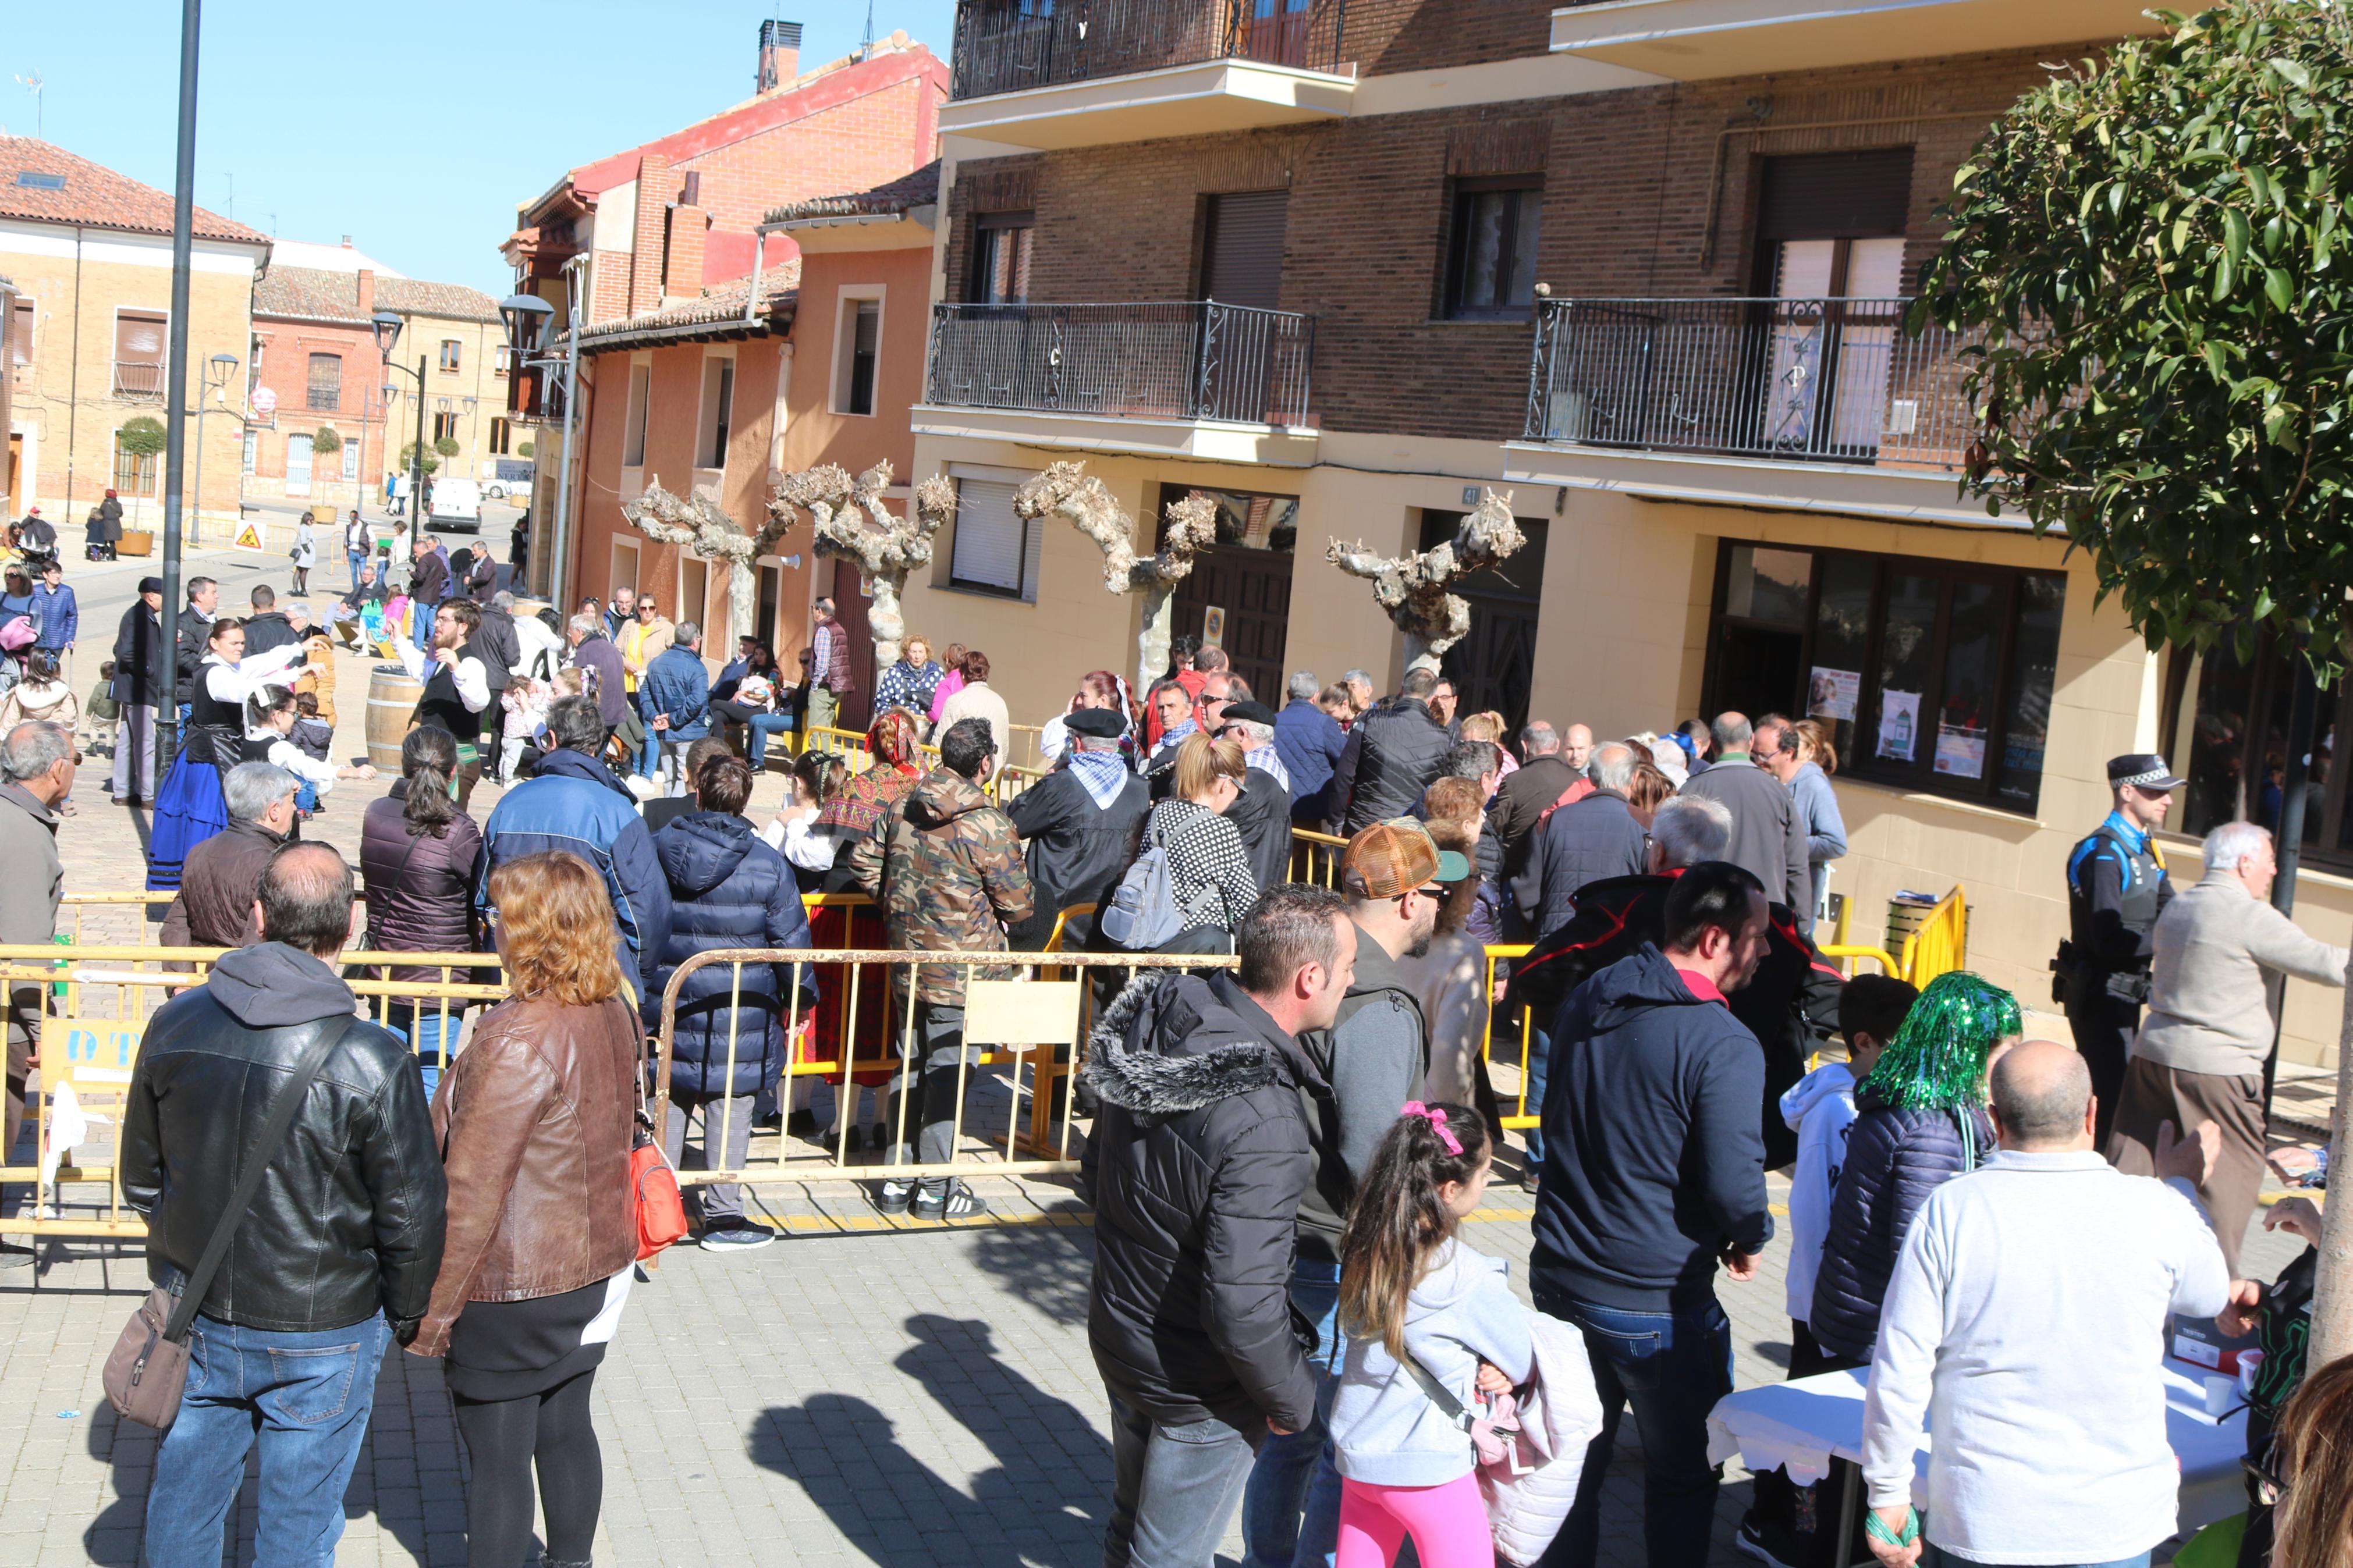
(1047, 1266)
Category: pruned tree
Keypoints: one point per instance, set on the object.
(1187, 526)
(1413, 589)
(700, 522)
(849, 523)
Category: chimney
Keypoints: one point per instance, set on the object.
(367, 291)
(347, 242)
(780, 54)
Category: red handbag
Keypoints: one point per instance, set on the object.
(661, 1207)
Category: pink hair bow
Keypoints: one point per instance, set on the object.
(1437, 1120)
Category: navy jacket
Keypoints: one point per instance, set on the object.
(728, 889)
(1654, 1161)
(1894, 1158)
(1592, 841)
(576, 804)
(676, 683)
(1309, 741)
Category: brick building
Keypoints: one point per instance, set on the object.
(662, 227)
(315, 350)
(1641, 266)
(90, 252)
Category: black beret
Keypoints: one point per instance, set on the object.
(1248, 712)
(1096, 723)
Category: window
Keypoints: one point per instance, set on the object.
(33, 179)
(134, 473)
(501, 438)
(351, 461)
(1931, 675)
(252, 438)
(717, 405)
(633, 437)
(1490, 257)
(20, 331)
(502, 357)
(445, 425)
(326, 384)
(450, 354)
(996, 551)
(1000, 258)
(2232, 732)
(139, 353)
(860, 340)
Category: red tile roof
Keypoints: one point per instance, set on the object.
(95, 195)
(314, 294)
(920, 188)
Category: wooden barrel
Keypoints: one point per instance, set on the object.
(392, 703)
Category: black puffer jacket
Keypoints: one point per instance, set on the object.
(420, 887)
(1196, 1169)
(1392, 754)
(1894, 1158)
(350, 1217)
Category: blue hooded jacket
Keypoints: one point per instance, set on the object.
(576, 804)
(1654, 1159)
(677, 684)
(728, 889)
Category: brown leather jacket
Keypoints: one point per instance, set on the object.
(534, 1123)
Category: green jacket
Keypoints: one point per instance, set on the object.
(946, 868)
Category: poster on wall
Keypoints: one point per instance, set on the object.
(1833, 693)
(1213, 626)
(1899, 725)
(1960, 751)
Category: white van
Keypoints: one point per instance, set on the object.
(457, 503)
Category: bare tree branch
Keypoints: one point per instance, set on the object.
(849, 523)
(1413, 588)
(701, 523)
(1187, 526)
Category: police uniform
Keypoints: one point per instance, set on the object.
(2117, 888)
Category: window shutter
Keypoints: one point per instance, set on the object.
(1241, 262)
(139, 337)
(991, 548)
(1836, 196)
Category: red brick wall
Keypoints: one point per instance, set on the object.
(287, 348)
(1627, 212)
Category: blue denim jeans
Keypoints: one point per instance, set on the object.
(1935, 1556)
(356, 559)
(423, 1034)
(649, 753)
(420, 624)
(1291, 1511)
(1672, 1367)
(309, 1396)
(758, 728)
(1172, 1488)
(1539, 1061)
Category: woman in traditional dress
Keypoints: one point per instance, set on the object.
(189, 806)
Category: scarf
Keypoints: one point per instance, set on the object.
(870, 796)
(1172, 739)
(1267, 760)
(1104, 774)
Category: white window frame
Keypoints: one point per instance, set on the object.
(613, 581)
(846, 298)
(351, 461)
(1032, 542)
(706, 413)
(636, 410)
(701, 602)
(31, 307)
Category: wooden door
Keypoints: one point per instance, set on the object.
(1493, 667)
(1253, 588)
(850, 606)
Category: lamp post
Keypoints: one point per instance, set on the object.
(387, 325)
(217, 370)
(526, 317)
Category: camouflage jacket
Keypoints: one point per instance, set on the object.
(946, 868)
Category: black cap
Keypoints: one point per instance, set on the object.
(1248, 712)
(150, 584)
(1096, 723)
(2142, 770)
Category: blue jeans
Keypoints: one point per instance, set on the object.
(421, 628)
(758, 728)
(1172, 1488)
(309, 1396)
(649, 753)
(1672, 1367)
(1539, 1062)
(424, 1035)
(1935, 1556)
(1291, 1511)
(356, 558)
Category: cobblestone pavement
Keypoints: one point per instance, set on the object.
(864, 1391)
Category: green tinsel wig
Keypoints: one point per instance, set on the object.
(1936, 1060)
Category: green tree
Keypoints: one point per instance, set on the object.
(326, 442)
(2152, 253)
(408, 459)
(141, 436)
(522, 449)
(447, 446)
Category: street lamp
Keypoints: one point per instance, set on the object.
(527, 318)
(217, 371)
(387, 325)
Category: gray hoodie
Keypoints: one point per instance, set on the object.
(1385, 1429)
(271, 986)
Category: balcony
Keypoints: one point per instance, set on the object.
(1693, 41)
(1084, 73)
(1188, 377)
(1812, 404)
(138, 381)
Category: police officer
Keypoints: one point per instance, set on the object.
(2117, 887)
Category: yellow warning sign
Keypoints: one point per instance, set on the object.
(248, 537)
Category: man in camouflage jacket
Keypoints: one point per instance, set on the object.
(946, 868)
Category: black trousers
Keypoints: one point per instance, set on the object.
(504, 1437)
(2103, 1027)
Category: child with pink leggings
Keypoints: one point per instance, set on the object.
(1412, 1293)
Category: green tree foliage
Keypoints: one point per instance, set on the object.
(447, 446)
(326, 442)
(141, 436)
(408, 459)
(2152, 250)
(522, 449)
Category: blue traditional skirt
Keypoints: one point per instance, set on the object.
(189, 809)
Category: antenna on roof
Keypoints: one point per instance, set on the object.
(230, 175)
(31, 83)
(866, 45)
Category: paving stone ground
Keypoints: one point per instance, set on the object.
(863, 1392)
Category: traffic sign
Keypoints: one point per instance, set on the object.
(249, 536)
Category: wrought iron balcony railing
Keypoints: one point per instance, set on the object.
(1003, 46)
(1173, 359)
(1835, 381)
(138, 380)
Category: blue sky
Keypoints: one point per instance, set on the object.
(414, 129)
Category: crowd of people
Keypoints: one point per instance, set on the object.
(1285, 1316)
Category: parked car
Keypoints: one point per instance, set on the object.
(457, 503)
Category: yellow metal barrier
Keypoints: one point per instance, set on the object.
(1316, 856)
(1942, 944)
(1839, 950)
(1522, 1118)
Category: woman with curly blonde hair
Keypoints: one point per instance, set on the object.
(536, 1124)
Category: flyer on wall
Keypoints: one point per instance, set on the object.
(1960, 752)
(1899, 724)
(1833, 693)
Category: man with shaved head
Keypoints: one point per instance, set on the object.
(2025, 1324)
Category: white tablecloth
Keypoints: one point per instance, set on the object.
(1802, 1425)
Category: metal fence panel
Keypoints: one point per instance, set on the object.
(1148, 359)
(1007, 45)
